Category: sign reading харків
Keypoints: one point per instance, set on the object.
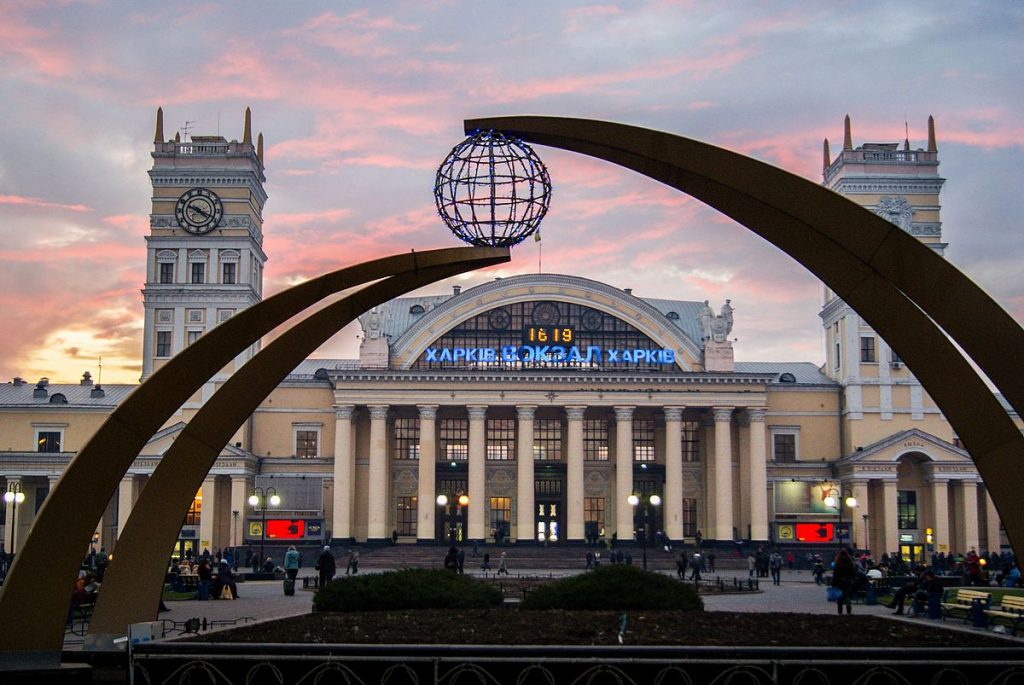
(550, 354)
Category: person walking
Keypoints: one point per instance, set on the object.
(325, 565)
(695, 564)
(486, 566)
(503, 565)
(844, 577)
(775, 565)
(291, 569)
(681, 564)
(353, 563)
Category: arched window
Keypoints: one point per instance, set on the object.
(416, 309)
(787, 378)
(672, 315)
(58, 398)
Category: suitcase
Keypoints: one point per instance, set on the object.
(289, 587)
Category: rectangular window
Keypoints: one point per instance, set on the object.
(595, 440)
(198, 272)
(691, 441)
(166, 272)
(193, 336)
(547, 439)
(228, 275)
(501, 515)
(307, 443)
(407, 439)
(906, 509)
(643, 439)
(867, 348)
(195, 510)
(689, 516)
(501, 439)
(784, 447)
(453, 436)
(48, 441)
(406, 518)
(547, 486)
(593, 517)
(163, 343)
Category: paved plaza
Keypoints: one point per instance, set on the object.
(265, 600)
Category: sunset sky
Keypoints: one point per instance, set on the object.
(360, 102)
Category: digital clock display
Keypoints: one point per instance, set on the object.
(552, 335)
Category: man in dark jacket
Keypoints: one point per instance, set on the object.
(325, 565)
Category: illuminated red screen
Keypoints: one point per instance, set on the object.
(813, 532)
(285, 528)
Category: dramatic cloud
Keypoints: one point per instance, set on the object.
(359, 103)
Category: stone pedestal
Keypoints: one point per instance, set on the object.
(718, 356)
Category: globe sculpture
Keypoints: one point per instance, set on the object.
(492, 190)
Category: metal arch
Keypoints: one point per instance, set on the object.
(33, 606)
(897, 284)
(135, 578)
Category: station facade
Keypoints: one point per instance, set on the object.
(532, 409)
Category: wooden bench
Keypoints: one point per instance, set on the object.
(964, 600)
(1011, 608)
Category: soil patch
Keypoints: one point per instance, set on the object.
(690, 628)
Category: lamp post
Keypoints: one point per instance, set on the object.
(835, 499)
(14, 496)
(653, 501)
(442, 501)
(258, 500)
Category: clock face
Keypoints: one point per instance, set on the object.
(198, 211)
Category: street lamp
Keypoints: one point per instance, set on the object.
(14, 496)
(835, 499)
(653, 501)
(259, 500)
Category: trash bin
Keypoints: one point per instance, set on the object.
(978, 617)
(934, 605)
(871, 595)
(203, 590)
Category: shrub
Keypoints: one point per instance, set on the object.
(409, 589)
(615, 587)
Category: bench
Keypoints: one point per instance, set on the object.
(1011, 608)
(964, 601)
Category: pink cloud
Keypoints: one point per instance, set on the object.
(580, 19)
(38, 202)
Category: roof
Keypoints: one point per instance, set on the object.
(77, 395)
(307, 369)
(805, 373)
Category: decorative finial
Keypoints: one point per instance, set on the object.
(932, 147)
(259, 147)
(158, 137)
(847, 136)
(906, 134)
(247, 133)
(826, 158)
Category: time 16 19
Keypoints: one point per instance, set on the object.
(549, 334)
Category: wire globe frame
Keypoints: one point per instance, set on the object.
(492, 190)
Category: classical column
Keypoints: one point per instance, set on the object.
(10, 534)
(524, 475)
(673, 504)
(377, 521)
(428, 459)
(890, 522)
(208, 516)
(723, 474)
(127, 493)
(859, 490)
(757, 475)
(707, 424)
(940, 516)
(344, 472)
(969, 508)
(623, 472)
(241, 488)
(992, 538)
(574, 474)
(477, 472)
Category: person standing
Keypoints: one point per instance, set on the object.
(460, 559)
(844, 578)
(353, 563)
(291, 563)
(775, 565)
(503, 565)
(681, 564)
(325, 565)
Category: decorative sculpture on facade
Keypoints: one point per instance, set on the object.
(716, 328)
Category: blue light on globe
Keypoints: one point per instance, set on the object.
(492, 190)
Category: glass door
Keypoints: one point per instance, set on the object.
(547, 520)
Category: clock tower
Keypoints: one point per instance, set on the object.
(204, 251)
(902, 185)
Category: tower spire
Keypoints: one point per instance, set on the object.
(906, 133)
(158, 137)
(932, 147)
(247, 132)
(259, 147)
(847, 137)
(826, 159)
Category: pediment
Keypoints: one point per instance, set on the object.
(914, 441)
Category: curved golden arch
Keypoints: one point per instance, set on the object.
(32, 606)
(897, 284)
(135, 578)
(408, 347)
